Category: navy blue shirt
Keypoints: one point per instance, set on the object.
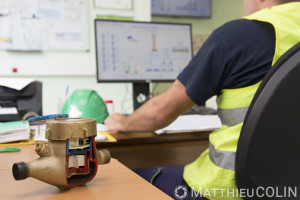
(238, 54)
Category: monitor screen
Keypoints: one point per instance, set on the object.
(140, 51)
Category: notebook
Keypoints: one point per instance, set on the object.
(14, 131)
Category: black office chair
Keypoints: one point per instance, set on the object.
(268, 152)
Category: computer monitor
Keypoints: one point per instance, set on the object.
(141, 52)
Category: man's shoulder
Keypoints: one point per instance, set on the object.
(243, 31)
(241, 25)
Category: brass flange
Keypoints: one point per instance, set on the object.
(63, 129)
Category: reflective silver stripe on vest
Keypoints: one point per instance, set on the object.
(223, 159)
(231, 117)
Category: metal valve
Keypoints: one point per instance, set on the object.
(69, 159)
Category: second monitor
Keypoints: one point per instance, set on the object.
(140, 52)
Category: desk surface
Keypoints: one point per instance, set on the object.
(113, 181)
(147, 149)
(131, 138)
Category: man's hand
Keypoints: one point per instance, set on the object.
(156, 113)
(116, 122)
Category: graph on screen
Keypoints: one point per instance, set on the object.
(129, 51)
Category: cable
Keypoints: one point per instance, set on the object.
(42, 119)
(125, 99)
(152, 91)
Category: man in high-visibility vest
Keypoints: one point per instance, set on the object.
(230, 64)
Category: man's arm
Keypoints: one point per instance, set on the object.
(156, 113)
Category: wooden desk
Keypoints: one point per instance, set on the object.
(113, 181)
(146, 149)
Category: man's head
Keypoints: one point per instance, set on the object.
(251, 6)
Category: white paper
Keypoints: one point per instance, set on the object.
(101, 127)
(192, 123)
(100, 137)
(8, 111)
(35, 25)
(39, 132)
(18, 136)
(114, 4)
(15, 83)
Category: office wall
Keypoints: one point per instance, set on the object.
(222, 12)
(61, 75)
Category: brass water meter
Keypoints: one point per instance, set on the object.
(70, 157)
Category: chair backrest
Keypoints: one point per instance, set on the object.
(268, 152)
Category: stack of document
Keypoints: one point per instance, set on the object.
(192, 123)
(14, 131)
(39, 132)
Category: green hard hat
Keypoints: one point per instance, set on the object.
(86, 103)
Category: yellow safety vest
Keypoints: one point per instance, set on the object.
(213, 173)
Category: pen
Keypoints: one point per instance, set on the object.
(10, 149)
(67, 90)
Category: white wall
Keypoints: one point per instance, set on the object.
(57, 70)
(55, 89)
(76, 69)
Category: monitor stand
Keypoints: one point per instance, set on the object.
(141, 93)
